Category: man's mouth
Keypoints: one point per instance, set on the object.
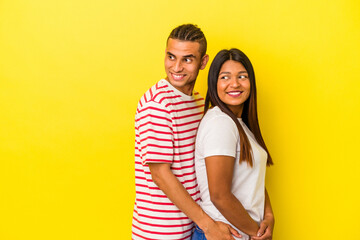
(177, 76)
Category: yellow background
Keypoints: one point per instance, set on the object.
(72, 71)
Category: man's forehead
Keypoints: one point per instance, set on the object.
(182, 48)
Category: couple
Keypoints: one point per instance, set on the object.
(217, 181)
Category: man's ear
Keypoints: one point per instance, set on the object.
(204, 61)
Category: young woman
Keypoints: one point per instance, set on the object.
(230, 153)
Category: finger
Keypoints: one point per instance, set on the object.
(234, 232)
(261, 230)
(267, 233)
(266, 236)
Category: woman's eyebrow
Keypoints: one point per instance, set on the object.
(230, 72)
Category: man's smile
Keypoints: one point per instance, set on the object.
(177, 76)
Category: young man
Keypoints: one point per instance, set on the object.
(166, 122)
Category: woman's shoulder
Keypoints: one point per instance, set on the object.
(216, 126)
(215, 118)
(215, 114)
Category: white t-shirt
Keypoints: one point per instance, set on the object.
(218, 135)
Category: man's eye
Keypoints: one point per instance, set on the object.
(171, 57)
(188, 60)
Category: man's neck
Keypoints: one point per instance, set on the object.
(187, 90)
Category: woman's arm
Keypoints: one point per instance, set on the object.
(267, 225)
(175, 191)
(220, 173)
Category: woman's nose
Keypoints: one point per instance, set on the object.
(235, 82)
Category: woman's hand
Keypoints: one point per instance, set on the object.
(267, 225)
(266, 229)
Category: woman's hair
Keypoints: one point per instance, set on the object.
(249, 114)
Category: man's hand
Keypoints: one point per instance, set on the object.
(175, 191)
(265, 230)
(220, 231)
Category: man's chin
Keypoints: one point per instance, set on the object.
(177, 83)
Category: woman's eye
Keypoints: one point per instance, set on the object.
(243, 76)
(224, 77)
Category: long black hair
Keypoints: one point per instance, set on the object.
(249, 114)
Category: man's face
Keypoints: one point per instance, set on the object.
(182, 64)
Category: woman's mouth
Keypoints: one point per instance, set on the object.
(235, 93)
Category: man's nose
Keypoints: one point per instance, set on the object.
(178, 66)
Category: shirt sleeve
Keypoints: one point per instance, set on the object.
(155, 133)
(220, 137)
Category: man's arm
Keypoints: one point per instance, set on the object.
(175, 191)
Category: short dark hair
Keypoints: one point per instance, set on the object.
(192, 33)
(249, 114)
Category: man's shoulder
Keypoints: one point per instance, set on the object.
(155, 94)
(197, 96)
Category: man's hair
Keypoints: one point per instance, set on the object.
(192, 33)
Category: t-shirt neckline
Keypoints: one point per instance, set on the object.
(183, 95)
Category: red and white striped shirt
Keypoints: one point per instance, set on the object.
(166, 122)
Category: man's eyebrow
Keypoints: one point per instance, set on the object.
(189, 56)
(186, 56)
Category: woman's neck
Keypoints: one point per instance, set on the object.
(237, 110)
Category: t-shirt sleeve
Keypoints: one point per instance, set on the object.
(220, 137)
(153, 125)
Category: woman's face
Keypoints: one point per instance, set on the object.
(233, 86)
